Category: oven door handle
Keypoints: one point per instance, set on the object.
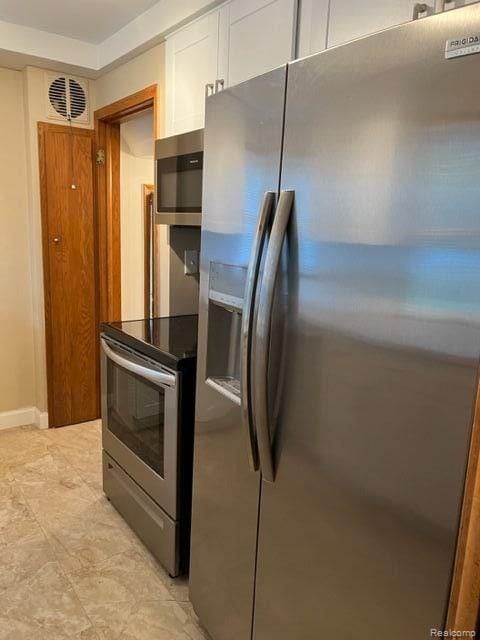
(153, 375)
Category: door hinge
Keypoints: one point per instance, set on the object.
(100, 156)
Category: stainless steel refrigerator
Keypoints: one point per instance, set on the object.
(339, 339)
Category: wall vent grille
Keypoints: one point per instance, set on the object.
(67, 98)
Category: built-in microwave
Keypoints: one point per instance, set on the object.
(178, 179)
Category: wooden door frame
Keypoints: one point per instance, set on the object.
(42, 129)
(464, 606)
(107, 193)
(148, 190)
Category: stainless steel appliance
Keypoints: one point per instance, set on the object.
(178, 179)
(148, 395)
(339, 340)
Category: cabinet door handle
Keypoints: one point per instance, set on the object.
(219, 84)
(418, 9)
(209, 87)
(445, 5)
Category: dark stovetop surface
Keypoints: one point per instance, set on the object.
(172, 340)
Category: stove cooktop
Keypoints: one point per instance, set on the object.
(172, 340)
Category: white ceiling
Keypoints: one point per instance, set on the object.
(88, 20)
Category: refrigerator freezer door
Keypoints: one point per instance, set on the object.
(357, 533)
(243, 139)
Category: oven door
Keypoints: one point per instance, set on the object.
(140, 420)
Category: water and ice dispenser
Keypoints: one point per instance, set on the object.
(225, 293)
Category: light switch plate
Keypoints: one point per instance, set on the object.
(190, 262)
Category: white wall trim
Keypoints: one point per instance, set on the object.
(154, 24)
(43, 44)
(41, 419)
(22, 46)
(22, 417)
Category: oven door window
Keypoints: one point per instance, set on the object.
(137, 415)
(179, 184)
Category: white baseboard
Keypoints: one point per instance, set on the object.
(41, 419)
(21, 417)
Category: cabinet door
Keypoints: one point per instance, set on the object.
(255, 36)
(312, 27)
(191, 62)
(350, 19)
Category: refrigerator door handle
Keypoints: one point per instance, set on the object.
(247, 325)
(261, 342)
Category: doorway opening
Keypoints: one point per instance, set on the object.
(137, 226)
(151, 253)
(112, 123)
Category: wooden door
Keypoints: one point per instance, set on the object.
(191, 63)
(66, 176)
(256, 36)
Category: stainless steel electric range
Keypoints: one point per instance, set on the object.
(148, 407)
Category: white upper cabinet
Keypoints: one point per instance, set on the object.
(191, 63)
(312, 27)
(255, 36)
(350, 19)
(241, 39)
(244, 38)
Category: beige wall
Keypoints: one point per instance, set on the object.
(17, 379)
(136, 170)
(31, 88)
(146, 69)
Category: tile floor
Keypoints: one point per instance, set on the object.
(70, 568)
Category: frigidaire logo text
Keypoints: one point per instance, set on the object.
(461, 42)
(464, 46)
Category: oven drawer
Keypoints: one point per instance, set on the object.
(157, 531)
